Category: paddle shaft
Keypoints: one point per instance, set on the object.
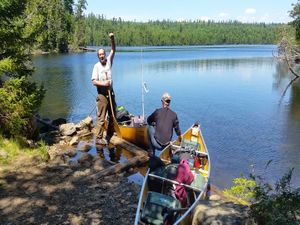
(116, 126)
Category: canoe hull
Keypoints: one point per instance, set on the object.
(135, 135)
(198, 189)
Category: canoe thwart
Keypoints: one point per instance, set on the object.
(175, 182)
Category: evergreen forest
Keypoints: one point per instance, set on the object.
(166, 33)
(62, 26)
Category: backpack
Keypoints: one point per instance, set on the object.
(122, 114)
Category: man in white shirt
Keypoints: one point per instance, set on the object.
(102, 79)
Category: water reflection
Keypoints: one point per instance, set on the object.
(207, 64)
(281, 76)
(289, 107)
(111, 153)
(67, 83)
(115, 154)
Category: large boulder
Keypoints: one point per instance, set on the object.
(221, 213)
(86, 123)
(67, 129)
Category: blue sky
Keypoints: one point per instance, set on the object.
(242, 10)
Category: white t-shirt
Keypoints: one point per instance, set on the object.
(102, 73)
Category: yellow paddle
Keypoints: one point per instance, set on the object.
(116, 126)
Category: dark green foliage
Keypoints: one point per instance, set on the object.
(295, 14)
(51, 22)
(19, 98)
(276, 205)
(59, 25)
(166, 32)
(79, 25)
(14, 57)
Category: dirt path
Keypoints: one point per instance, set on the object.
(61, 194)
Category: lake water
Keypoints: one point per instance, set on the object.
(234, 92)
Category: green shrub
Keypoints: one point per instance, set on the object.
(242, 192)
(276, 204)
(19, 101)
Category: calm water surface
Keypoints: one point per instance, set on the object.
(232, 91)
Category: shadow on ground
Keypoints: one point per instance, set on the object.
(63, 194)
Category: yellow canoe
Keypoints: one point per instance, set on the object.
(157, 202)
(135, 132)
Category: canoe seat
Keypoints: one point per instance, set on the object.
(158, 185)
(154, 205)
(190, 145)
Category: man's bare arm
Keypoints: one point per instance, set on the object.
(113, 46)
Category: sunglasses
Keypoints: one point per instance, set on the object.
(168, 101)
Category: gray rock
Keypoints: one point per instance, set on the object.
(214, 197)
(67, 129)
(84, 147)
(85, 124)
(221, 213)
(71, 152)
(85, 157)
(74, 141)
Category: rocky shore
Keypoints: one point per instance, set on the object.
(68, 191)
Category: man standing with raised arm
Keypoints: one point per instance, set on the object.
(102, 79)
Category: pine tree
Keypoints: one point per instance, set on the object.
(19, 98)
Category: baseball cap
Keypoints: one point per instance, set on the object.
(166, 97)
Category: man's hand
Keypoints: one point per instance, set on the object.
(111, 35)
(106, 83)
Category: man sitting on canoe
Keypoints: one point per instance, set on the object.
(161, 124)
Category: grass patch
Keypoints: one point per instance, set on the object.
(41, 152)
(10, 149)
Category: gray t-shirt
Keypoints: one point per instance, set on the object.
(164, 120)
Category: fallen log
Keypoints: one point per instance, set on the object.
(128, 146)
(47, 123)
(120, 167)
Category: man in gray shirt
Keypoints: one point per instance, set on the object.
(161, 124)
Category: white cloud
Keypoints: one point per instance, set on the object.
(205, 18)
(250, 11)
